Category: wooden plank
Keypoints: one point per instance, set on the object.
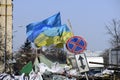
(104, 64)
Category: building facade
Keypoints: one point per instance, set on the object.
(114, 57)
(6, 26)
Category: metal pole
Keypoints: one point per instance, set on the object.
(70, 26)
(117, 55)
(5, 46)
(86, 76)
(117, 61)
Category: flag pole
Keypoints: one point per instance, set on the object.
(70, 26)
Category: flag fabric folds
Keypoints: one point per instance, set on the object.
(49, 31)
(57, 36)
(34, 29)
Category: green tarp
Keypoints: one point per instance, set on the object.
(27, 68)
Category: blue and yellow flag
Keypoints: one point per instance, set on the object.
(55, 35)
(34, 29)
(49, 31)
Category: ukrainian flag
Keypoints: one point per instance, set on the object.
(49, 32)
(34, 29)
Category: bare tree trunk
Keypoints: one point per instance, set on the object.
(114, 31)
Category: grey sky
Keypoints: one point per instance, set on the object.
(88, 18)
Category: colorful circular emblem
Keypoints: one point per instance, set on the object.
(76, 44)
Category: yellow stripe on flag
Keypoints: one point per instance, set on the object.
(66, 36)
(41, 40)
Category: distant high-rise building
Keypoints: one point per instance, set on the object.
(6, 8)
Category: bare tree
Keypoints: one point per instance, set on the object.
(105, 56)
(26, 47)
(55, 54)
(114, 31)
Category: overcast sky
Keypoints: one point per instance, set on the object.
(88, 18)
